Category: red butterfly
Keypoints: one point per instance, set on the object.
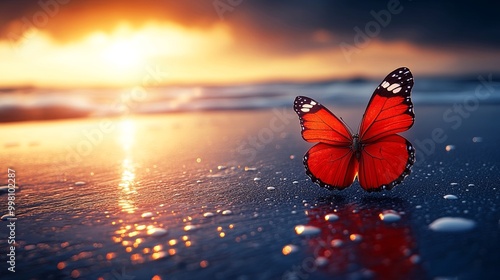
(378, 156)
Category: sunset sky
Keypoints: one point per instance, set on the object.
(63, 43)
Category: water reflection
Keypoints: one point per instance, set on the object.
(360, 242)
(127, 187)
(135, 230)
(127, 184)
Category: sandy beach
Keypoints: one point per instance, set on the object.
(218, 195)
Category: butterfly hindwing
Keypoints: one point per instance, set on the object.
(390, 109)
(385, 163)
(331, 167)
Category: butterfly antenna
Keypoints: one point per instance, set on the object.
(350, 129)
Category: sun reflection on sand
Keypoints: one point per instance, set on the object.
(135, 229)
(127, 134)
(127, 188)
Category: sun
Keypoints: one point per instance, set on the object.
(120, 50)
(123, 53)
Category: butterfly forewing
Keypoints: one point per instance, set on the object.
(390, 109)
(319, 124)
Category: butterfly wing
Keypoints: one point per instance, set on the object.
(319, 124)
(386, 158)
(390, 109)
(332, 167)
(331, 163)
(385, 163)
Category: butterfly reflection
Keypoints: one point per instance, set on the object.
(356, 241)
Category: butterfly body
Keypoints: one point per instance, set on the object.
(356, 145)
(376, 155)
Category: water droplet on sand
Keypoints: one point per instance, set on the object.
(306, 230)
(289, 249)
(477, 139)
(250, 168)
(159, 255)
(199, 181)
(292, 156)
(256, 179)
(321, 261)
(221, 167)
(337, 243)
(295, 182)
(157, 231)
(452, 224)
(453, 184)
(415, 259)
(355, 237)
(449, 148)
(208, 214)
(418, 206)
(147, 215)
(271, 188)
(450, 196)
(227, 212)
(331, 217)
(190, 228)
(471, 185)
(79, 183)
(389, 216)
(216, 176)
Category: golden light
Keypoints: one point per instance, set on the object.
(127, 187)
(123, 54)
(288, 249)
(127, 136)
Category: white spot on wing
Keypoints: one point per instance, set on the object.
(305, 110)
(385, 84)
(393, 86)
(307, 106)
(313, 103)
(397, 90)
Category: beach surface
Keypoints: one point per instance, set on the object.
(223, 195)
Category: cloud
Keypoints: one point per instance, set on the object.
(288, 25)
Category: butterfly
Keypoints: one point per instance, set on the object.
(376, 155)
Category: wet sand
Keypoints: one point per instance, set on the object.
(217, 195)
